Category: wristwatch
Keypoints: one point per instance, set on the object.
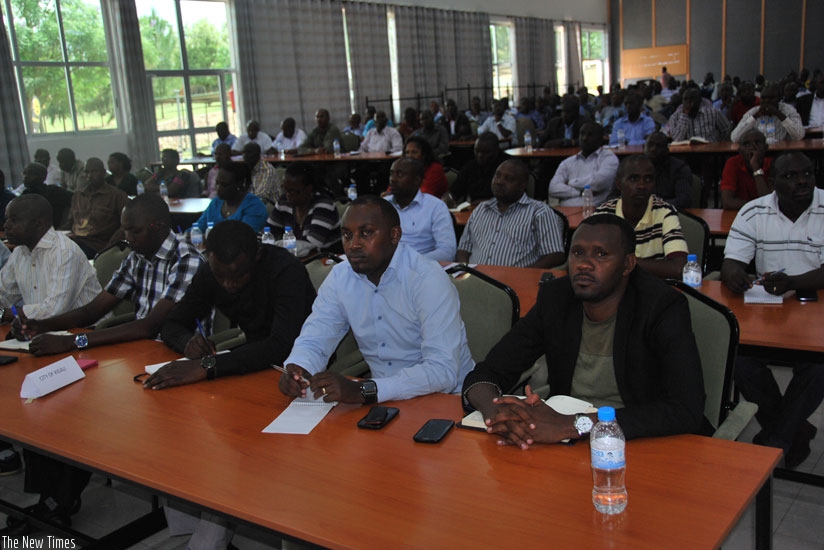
(583, 424)
(369, 391)
(208, 363)
(2, 314)
(81, 341)
(758, 172)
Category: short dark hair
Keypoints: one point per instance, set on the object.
(123, 159)
(779, 164)
(388, 211)
(628, 163)
(627, 231)
(172, 152)
(36, 207)
(241, 173)
(416, 166)
(231, 238)
(152, 206)
(487, 137)
(303, 171)
(37, 169)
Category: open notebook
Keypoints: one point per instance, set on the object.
(563, 404)
(23, 345)
(757, 294)
(301, 416)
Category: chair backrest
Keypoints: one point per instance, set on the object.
(105, 264)
(697, 234)
(695, 191)
(451, 175)
(194, 187)
(489, 308)
(567, 234)
(716, 334)
(349, 142)
(522, 125)
(319, 266)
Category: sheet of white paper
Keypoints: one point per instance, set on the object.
(759, 295)
(50, 378)
(301, 416)
(17, 345)
(151, 369)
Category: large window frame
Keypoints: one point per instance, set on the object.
(595, 67)
(33, 120)
(504, 71)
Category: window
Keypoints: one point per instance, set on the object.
(503, 59)
(189, 56)
(61, 63)
(560, 59)
(594, 54)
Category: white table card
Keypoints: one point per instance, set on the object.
(50, 378)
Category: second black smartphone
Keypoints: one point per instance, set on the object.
(377, 417)
(434, 430)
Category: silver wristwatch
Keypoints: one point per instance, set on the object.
(583, 424)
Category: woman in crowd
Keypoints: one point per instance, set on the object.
(313, 218)
(168, 173)
(233, 200)
(120, 168)
(434, 179)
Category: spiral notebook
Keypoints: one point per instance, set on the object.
(759, 295)
(301, 416)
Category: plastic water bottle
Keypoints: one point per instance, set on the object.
(140, 188)
(352, 192)
(607, 445)
(622, 138)
(589, 203)
(164, 191)
(528, 142)
(267, 237)
(209, 227)
(336, 148)
(692, 272)
(290, 242)
(281, 150)
(770, 133)
(196, 236)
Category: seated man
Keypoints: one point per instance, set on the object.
(381, 138)
(746, 175)
(61, 200)
(512, 229)
(746, 100)
(612, 335)
(693, 118)
(660, 246)
(435, 134)
(784, 233)
(501, 123)
(455, 122)
(354, 126)
(402, 308)
(563, 131)
(290, 137)
(95, 211)
(154, 276)
(594, 165)
(176, 183)
(224, 136)
(425, 220)
(321, 139)
(474, 181)
(265, 183)
(72, 175)
(264, 290)
(784, 117)
(42, 156)
(253, 135)
(673, 178)
(635, 125)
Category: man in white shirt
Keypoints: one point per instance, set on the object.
(253, 134)
(290, 137)
(382, 138)
(786, 120)
(593, 165)
(501, 123)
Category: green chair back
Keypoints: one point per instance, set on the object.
(697, 234)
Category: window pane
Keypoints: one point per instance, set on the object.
(83, 29)
(207, 34)
(93, 98)
(170, 103)
(46, 91)
(36, 26)
(158, 34)
(207, 103)
(179, 143)
(203, 142)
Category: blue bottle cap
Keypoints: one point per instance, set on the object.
(692, 257)
(606, 414)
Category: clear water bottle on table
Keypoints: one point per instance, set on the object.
(196, 236)
(589, 201)
(164, 191)
(267, 237)
(692, 272)
(336, 148)
(607, 451)
(140, 188)
(290, 242)
(352, 192)
(528, 142)
(209, 227)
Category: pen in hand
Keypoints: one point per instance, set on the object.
(761, 279)
(203, 335)
(22, 336)
(284, 371)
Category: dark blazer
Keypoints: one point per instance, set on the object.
(555, 130)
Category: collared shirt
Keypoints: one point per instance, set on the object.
(387, 139)
(251, 211)
(597, 170)
(737, 177)
(321, 226)
(426, 226)
(95, 214)
(762, 231)
(298, 137)
(265, 182)
(408, 327)
(817, 112)
(519, 236)
(790, 129)
(709, 123)
(167, 275)
(319, 139)
(75, 180)
(635, 133)
(230, 140)
(658, 233)
(261, 139)
(53, 278)
(507, 121)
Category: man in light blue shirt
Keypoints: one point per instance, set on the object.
(426, 223)
(635, 125)
(402, 308)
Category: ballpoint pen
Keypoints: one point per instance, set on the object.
(284, 371)
(760, 280)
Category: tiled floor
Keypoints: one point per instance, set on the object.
(798, 510)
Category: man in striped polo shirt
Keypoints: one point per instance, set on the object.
(512, 229)
(660, 245)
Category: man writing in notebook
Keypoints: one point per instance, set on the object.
(402, 308)
(784, 232)
(612, 335)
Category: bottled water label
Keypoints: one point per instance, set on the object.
(608, 453)
(692, 279)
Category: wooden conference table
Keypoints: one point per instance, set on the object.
(342, 487)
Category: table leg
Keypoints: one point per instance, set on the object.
(763, 516)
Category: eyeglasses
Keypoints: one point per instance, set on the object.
(797, 175)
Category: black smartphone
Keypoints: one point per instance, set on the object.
(377, 417)
(7, 359)
(434, 430)
(809, 295)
